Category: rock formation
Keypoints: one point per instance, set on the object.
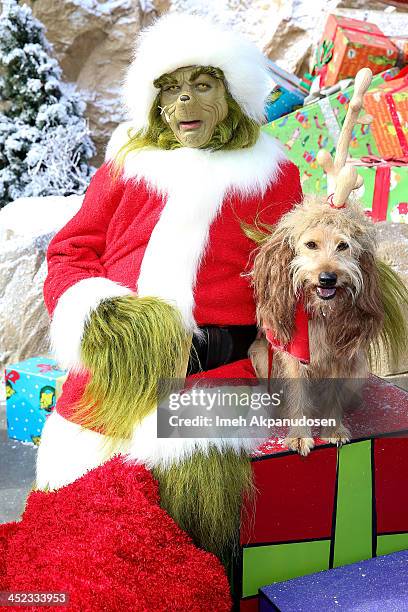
(93, 39)
(26, 229)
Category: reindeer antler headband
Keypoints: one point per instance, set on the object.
(342, 178)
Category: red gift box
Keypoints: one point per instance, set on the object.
(356, 44)
(388, 104)
(334, 507)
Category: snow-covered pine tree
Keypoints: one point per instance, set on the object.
(45, 143)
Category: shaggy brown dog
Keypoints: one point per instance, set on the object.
(327, 256)
(323, 252)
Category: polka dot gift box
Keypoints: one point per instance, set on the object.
(32, 388)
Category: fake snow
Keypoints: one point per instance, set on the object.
(102, 8)
(35, 217)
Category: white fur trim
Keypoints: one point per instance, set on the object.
(246, 171)
(195, 182)
(146, 448)
(67, 452)
(178, 40)
(72, 312)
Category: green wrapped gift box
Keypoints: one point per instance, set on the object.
(334, 507)
(317, 126)
(385, 191)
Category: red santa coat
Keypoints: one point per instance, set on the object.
(170, 227)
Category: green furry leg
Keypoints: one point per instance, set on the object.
(129, 344)
(204, 496)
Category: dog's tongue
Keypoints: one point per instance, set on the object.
(326, 291)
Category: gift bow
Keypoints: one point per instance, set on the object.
(12, 376)
(370, 161)
(324, 53)
(45, 367)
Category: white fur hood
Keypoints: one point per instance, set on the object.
(177, 40)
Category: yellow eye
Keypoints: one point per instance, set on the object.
(172, 88)
(203, 86)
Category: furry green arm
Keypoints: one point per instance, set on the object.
(129, 344)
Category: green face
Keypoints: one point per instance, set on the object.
(193, 103)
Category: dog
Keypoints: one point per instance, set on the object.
(326, 257)
(322, 255)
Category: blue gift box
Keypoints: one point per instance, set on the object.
(288, 94)
(376, 584)
(32, 388)
(282, 101)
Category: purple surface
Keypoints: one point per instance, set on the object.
(376, 585)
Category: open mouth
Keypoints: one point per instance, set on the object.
(326, 293)
(190, 125)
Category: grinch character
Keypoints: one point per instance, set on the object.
(147, 282)
(47, 398)
(10, 391)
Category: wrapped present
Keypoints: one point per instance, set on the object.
(284, 78)
(317, 126)
(334, 507)
(345, 588)
(32, 388)
(282, 101)
(356, 44)
(306, 81)
(388, 103)
(394, 24)
(288, 93)
(384, 194)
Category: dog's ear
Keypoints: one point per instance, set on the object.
(357, 326)
(272, 280)
(370, 299)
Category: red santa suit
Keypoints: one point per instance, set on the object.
(171, 227)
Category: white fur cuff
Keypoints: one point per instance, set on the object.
(72, 312)
(146, 448)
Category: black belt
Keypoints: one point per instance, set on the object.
(219, 346)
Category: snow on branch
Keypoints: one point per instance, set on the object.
(55, 163)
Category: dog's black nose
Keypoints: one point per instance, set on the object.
(184, 98)
(327, 279)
